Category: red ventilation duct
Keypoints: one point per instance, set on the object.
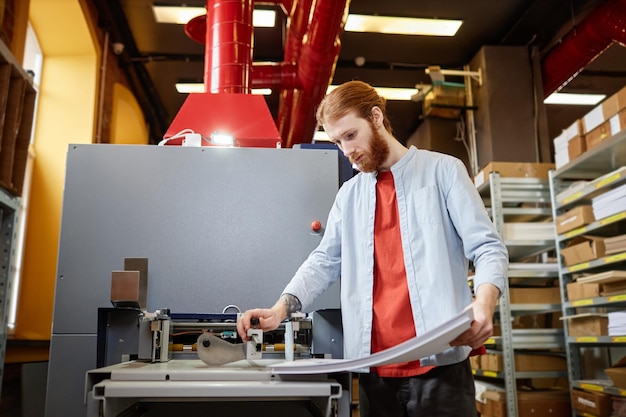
(316, 67)
(603, 26)
(311, 50)
(226, 107)
(228, 54)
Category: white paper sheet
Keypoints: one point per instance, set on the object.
(434, 341)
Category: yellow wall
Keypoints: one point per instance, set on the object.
(127, 126)
(66, 114)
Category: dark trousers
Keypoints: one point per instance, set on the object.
(444, 391)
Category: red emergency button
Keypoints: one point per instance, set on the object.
(316, 226)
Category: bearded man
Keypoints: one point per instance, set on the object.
(400, 236)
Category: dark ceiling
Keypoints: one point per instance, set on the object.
(159, 55)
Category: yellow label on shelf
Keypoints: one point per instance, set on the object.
(578, 267)
(586, 339)
(613, 218)
(608, 180)
(613, 298)
(572, 197)
(576, 232)
(591, 387)
(490, 374)
(490, 341)
(473, 371)
(622, 392)
(585, 302)
(619, 339)
(615, 258)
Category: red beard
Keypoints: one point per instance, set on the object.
(372, 159)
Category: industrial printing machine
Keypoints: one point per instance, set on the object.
(202, 233)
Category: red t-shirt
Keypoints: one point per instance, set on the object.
(392, 314)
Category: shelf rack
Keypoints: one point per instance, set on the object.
(521, 200)
(598, 170)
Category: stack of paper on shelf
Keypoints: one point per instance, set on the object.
(615, 244)
(609, 203)
(542, 266)
(617, 323)
(529, 231)
(571, 190)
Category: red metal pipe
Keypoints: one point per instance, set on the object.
(316, 66)
(299, 16)
(275, 75)
(228, 47)
(603, 26)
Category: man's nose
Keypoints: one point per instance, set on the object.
(348, 150)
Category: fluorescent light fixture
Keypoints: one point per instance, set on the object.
(575, 99)
(402, 25)
(320, 136)
(263, 18)
(183, 14)
(389, 93)
(186, 88)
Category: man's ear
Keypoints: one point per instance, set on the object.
(377, 116)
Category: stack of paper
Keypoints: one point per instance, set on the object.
(609, 203)
(529, 231)
(617, 323)
(615, 244)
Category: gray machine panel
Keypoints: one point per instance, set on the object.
(71, 356)
(219, 226)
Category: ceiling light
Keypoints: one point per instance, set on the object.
(186, 88)
(402, 25)
(389, 93)
(183, 14)
(320, 136)
(575, 99)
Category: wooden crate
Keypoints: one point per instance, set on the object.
(17, 106)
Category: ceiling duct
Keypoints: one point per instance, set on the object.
(312, 47)
(226, 107)
(596, 32)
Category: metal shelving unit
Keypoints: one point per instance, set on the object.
(603, 169)
(521, 200)
(8, 230)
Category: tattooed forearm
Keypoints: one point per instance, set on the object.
(292, 303)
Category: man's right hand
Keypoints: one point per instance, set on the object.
(268, 319)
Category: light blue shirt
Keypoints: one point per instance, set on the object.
(443, 224)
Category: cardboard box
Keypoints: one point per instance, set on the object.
(576, 146)
(539, 362)
(605, 110)
(617, 373)
(597, 403)
(514, 169)
(598, 134)
(574, 130)
(588, 324)
(574, 218)
(582, 249)
(612, 288)
(444, 99)
(548, 295)
(525, 362)
(540, 403)
(579, 291)
(475, 362)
